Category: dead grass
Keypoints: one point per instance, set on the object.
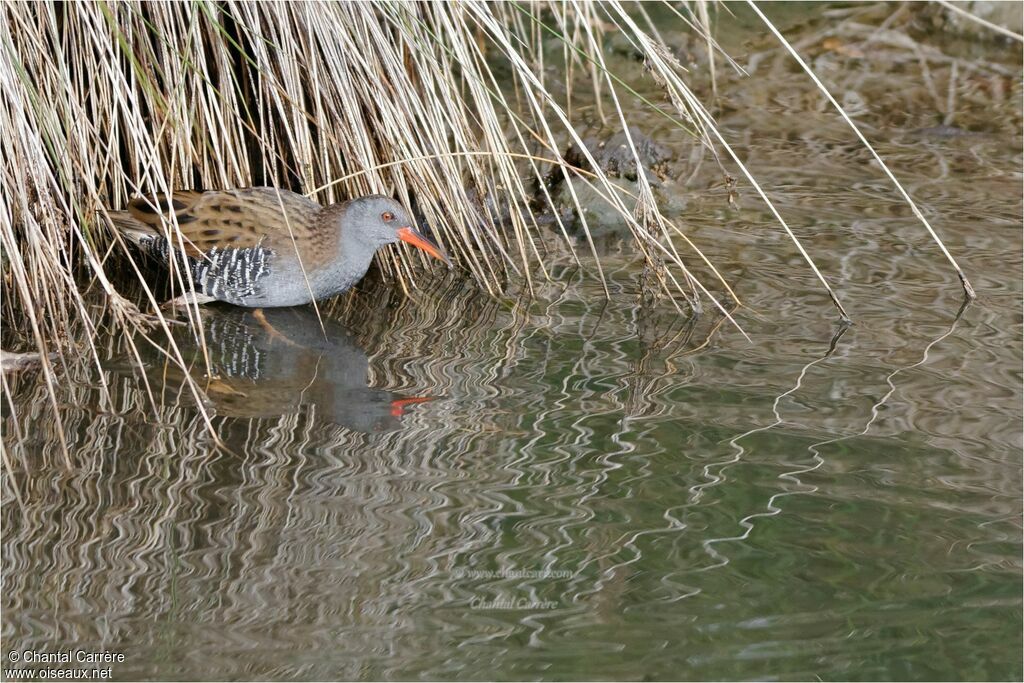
(105, 101)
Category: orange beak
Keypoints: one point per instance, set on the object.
(421, 241)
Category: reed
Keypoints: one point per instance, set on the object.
(108, 101)
(111, 100)
(445, 106)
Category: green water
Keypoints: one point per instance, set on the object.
(594, 490)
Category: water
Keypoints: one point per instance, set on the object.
(564, 487)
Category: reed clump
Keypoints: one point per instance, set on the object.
(445, 106)
(106, 101)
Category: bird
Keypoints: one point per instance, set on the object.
(262, 247)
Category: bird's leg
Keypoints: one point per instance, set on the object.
(271, 330)
(187, 299)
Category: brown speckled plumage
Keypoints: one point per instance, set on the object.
(240, 219)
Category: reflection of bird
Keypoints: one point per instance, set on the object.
(262, 247)
(259, 370)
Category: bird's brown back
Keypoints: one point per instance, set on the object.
(238, 219)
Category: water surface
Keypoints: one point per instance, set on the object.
(573, 487)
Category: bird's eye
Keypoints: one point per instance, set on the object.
(387, 216)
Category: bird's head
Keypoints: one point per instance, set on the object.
(382, 220)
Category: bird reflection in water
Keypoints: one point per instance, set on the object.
(280, 361)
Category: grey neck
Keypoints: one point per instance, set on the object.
(352, 262)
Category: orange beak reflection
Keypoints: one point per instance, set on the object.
(398, 405)
(421, 241)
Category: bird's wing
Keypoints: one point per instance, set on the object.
(223, 219)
